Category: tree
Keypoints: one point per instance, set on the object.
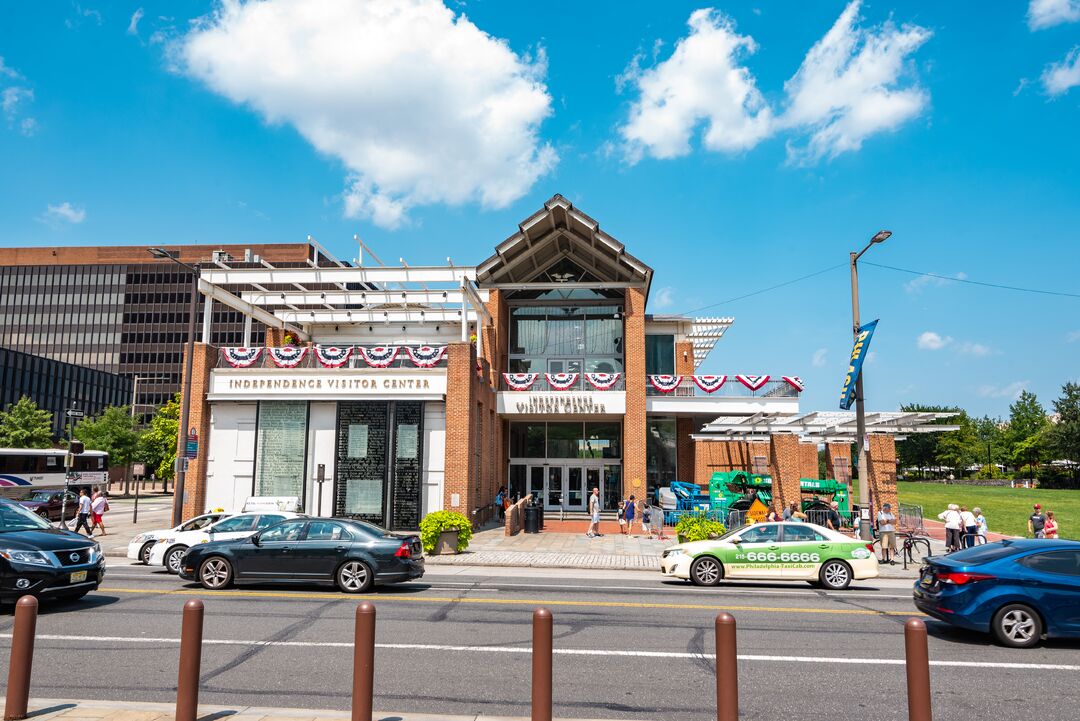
(991, 435)
(114, 432)
(921, 450)
(1064, 436)
(1026, 437)
(960, 448)
(157, 446)
(24, 425)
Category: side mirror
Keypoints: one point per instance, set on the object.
(736, 540)
(255, 539)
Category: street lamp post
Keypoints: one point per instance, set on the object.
(860, 411)
(185, 409)
(135, 403)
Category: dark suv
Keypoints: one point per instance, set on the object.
(43, 561)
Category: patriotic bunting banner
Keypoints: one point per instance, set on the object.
(754, 383)
(288, 356)
(241, 357)
(561, 381)
(380, 356)
(665, 384)
(795, 382)
(332, 356)
(603, 381)
(426, 356)
(710, 384)
(520, 381)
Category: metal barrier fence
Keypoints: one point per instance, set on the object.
(916, 652)
(911, 517)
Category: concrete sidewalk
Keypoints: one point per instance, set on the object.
(64, 710)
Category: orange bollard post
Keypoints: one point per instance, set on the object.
(918, 671)
(541, 665)
(22, 658)
(727, 669)
(187, 682)
(363, 685)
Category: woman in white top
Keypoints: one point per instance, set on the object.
(980, 522)
(970, 526)
(953, 521)
(98, 506)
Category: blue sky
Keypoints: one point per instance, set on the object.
(731, 149)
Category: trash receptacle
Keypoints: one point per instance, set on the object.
(540, 516)
(532, 519)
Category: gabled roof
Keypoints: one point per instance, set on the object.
(558, 231)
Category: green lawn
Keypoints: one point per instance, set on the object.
(1006, 509)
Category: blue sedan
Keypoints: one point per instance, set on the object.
(1019, 590)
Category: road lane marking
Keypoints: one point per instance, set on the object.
(512, 601)
(562, 652)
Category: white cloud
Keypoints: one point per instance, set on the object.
(1072, 336)
(702, 83)
(871, 357)
(930, 340)
(13, 101)
(975, 349)
(80, 14)
(419, 104)
(664, 298)
(63, 214)
(847, 87)
(1059, 78)
(818, 359)
(133, 25)
(1011, 390)
(920, 282)
(1048, 13)
(7, 71)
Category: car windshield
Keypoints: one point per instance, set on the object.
(983, 554)
(14, 517)
(42, 496)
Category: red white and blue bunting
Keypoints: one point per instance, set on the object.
(520, 381)
(603, 381)
(665, 384)
(561, 381)
(754, 383)
(332, 356)
(241, 357)
(795, 382)
(288, 356)
(380, 356)
(426, 356)
(710, 384)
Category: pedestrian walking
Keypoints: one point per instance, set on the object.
(792, 513)
(832, 518)
(646, 518)
(953, 521)
(98, 506)
(1050, 530)
(980, 523)
(970, 526)
(887, 532)
(1036, 522)
(500, 499)
(83, 516)
(594, 514)
(628, 515)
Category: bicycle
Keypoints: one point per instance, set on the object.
(913, 549)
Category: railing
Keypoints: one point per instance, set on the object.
(911, 516)
(732, 388)
(265, 359)
(542, 384)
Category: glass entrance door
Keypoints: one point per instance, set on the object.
(575, 489)
(555, 492)
(564, 486)
(536, 483)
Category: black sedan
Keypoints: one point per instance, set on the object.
(350, 554)
(43, 561)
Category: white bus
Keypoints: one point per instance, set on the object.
(25, 469)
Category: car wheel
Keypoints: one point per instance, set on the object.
(174, 558)
(706, 571)
(215, 573)
(43, 513)
(144, 552)
(354, 577)
(1017, 625)
(835, 575)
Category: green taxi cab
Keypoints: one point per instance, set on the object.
(790, 551)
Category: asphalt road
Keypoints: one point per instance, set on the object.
(628, 647)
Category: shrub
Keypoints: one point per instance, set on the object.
(698, 527)
(438, 521)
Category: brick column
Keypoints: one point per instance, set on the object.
(275, 337)
(460, 424)
(758, 449)
(203, 361)
(784, 469)
(808, 459)
(881, 459)
(634, 465)
(838, 471)
(495, 336)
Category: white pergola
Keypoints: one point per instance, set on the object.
(823, 426)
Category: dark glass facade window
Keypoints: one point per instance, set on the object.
(566, 439)
(660, 452)
(54, 386)
(660, 354)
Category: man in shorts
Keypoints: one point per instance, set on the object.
(887, 531)
(594, 514)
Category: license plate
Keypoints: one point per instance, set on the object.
(927, 579)
(78, 576)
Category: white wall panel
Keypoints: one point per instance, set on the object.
(322, 428)
(230, 467)
(434, 456)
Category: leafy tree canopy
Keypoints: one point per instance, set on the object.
(157, 445)
(24, 425)
(114, 432)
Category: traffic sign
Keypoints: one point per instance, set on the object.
(74, 413)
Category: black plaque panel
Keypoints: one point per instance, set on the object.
(360, 472)
(408, 464)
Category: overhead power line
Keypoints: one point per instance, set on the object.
(975, 282)
(766, 290)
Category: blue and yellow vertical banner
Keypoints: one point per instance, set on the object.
(858, 354)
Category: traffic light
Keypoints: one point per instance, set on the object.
(76, 448)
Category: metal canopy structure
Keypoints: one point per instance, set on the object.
(827, 426)
(704, 333)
